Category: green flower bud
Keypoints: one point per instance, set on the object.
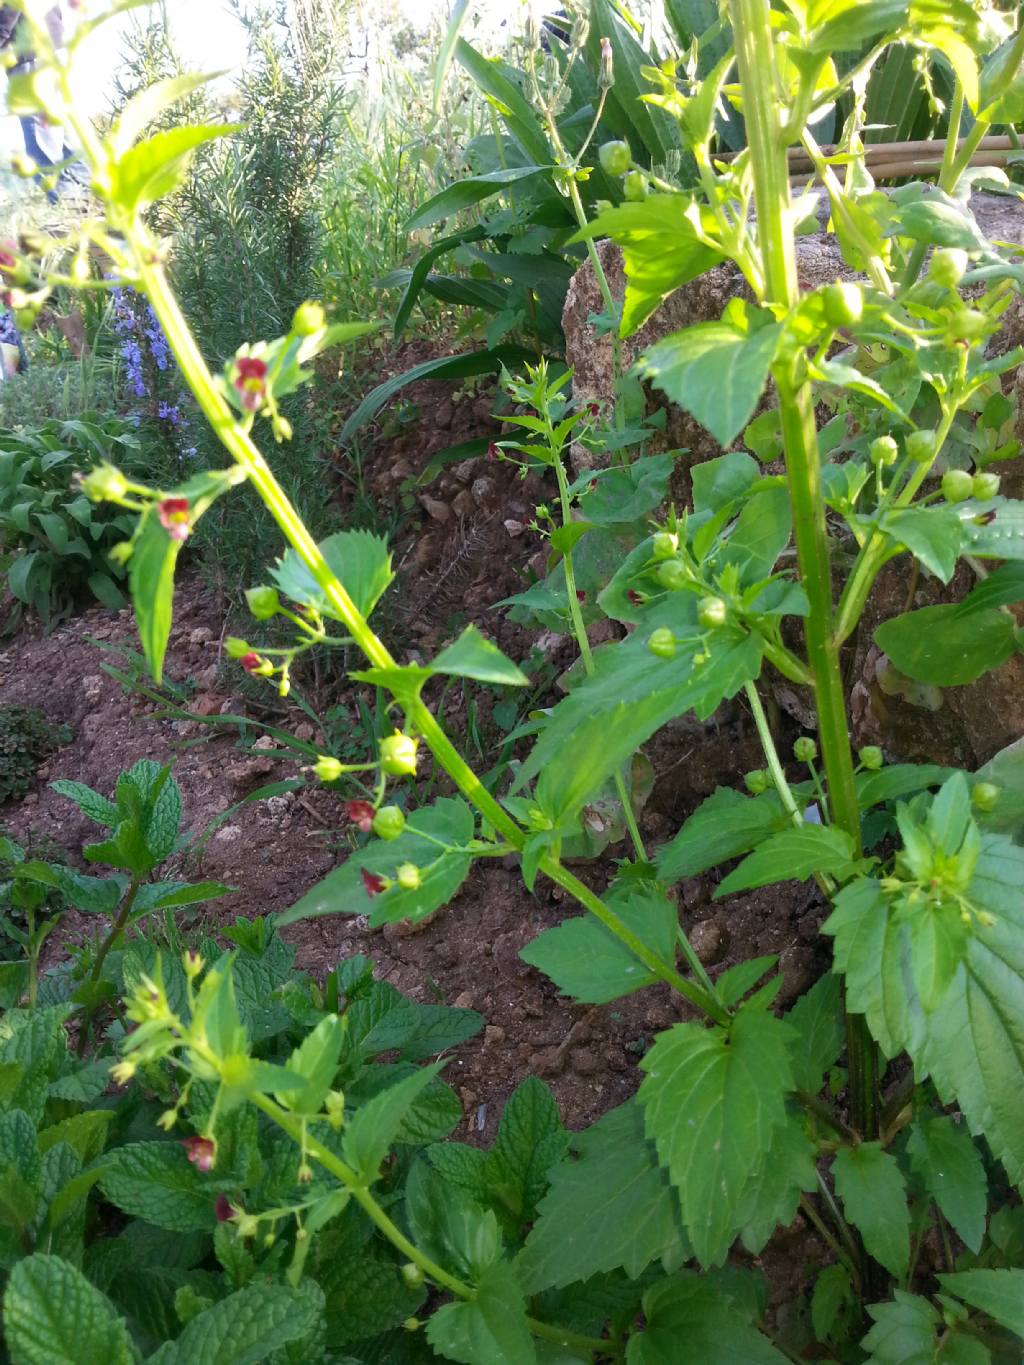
(388, 823)
(984, 796)
(957, 485)
(104, 483)
(665, 545)
(921, 446)
(843, 303)
(615, 158)
(947, 265)
(408, 877)
(985, 485)
(673, 574)
(968, 324)
(398, 755)
(883, 450)
(412, 1324)
(263, 602)
(634, 187)
(871, 757)
(334, 1107)
(758, 781)
(235, 648)
(712, 612)
(662, 643)
(327, 769)
(412, 1275)
(805, 750)
(309, 319)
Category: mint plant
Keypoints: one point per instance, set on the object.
(918, 1029)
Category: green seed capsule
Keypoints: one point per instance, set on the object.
(843, 303)
(634, 187)
(408, 877)
(664, 545)
(985, 485)
(412, 1275)
(883, 450)
(984, 796)
(398, 755)
(712, 612)
(662, 643)
(758, 781)
(921, 446)
(388, 823)
(957, 485)
(805, 750)
(263, 602)
(871, 757)
(309, 319)
(673, 575)
(947, 266)
(615, 158)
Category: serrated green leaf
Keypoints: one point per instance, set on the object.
(686, 1318)
(316, 1061)
(904, 1331)
(343, 891)
(163, 819)
(153, 168)
(938, 223)
(716, 371)
(162, 895)
(245, 1328)
(661, 247)
(474, 656)
(870, 1183)
(942, 646)
(359, 560)
(723, 826)
(370, 1133)
(818, 1019)
(587, 961)
(999, 1293)
(934, 535)
(712, 1100)
(89, 802)
(771, 1201)
(898, 779)
(151, 578)
(612, 1206)
(365, 1293)
(793, 854)
(155, 1181)
(950, 1166)
(449, 1224)
(833, 1292)
(530, 1140)
(54, 1316)
(623, 495)
(491, 1326)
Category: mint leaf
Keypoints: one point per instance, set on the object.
(245, 1328)
(531, 1139)
(155, 1181)
(610, 1207)
(818, 1018)
(89, 802)
(54, 1316)
(869, 1182)
(713, 1099)
(491, 1326)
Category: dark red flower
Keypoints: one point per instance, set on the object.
(173, 514)
(581, 596)
(201, 1151)
(634, 597)
(374, 884)
(593, 409)
(361, 814)
(250, 381)
(250, 662)
(985, 519)
(222, 1208)
(493, 452)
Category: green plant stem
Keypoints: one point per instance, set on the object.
(580, 632)
(818, 1223)
(97, 967)
(837, 198)
(756, 61)
(370, 1206)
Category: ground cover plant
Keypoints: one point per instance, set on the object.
(886, 1102)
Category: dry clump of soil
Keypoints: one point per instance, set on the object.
(272, 850)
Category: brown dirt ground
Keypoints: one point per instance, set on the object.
(273, 850)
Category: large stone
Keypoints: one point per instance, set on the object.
(971, 723)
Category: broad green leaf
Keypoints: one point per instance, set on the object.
(316, 1060)
(760, 534)
(933, 534)
(1001, 87)
(247, 1327)
(869, 1182)
(818, 1018)
(938, 223)
(993, 529)
(713, 1099)
(491, 1326)
(155, 1181)
(950, 1165)
(474, 656)
(151, 577)
(1006, 771)
(449, 1224)
(846, 25)
(625, 495)
(904, 1331)
(463, 194)
(370, 1133)
(833, 1294)
(343, 891)
(530, 1140)
(999, 1293)
(791, 855)
(898, 779)
(687, 1318)
(148, 104)
(848, 377)
(89, 802)
(587, 961)
(54, 1316)
(506, 96)
(630, 695)
(360, 560)
(945, 647)
(723, 826)
(715, 370)
(155, 167)
(720, 482)
(365, 1294)
(663, 247)
(610, 1207)
(161, 895)
(771, 1201)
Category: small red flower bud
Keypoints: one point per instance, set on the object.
(374, 884)
(201, 1151)
(634, 597)
(173, 514)
(222, 1208)
(250, 662)
(581, 596)
(361, 814)
(250, 380)
(493, 453)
